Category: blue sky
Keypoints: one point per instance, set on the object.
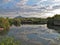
(31, 2)
(29, 8)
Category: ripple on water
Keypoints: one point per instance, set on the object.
(34, 33)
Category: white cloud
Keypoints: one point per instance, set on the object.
(2, 2)
(56, 11)
(57, 0)
(22, 2)
(42, 8)
(6, 1)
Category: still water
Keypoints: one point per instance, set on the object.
(34, 35)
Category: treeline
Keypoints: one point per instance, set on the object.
(33, 20)
(5, 23)
(19, 21)
(54, 21)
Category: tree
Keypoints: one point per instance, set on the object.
(11, 21)
(4, 23)
(16, 22)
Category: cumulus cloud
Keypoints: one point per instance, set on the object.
(38, 8)
(57, 0)
(4, 1)
(22, 2)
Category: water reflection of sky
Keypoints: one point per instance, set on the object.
(34, 33)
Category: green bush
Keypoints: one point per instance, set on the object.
(16, 22)
(4, 23)
(9, 41)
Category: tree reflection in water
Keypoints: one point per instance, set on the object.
(57, 28)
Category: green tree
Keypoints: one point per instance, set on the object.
(11, 21)
(17, 22)
(4, 23)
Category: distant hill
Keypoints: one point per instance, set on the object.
(25, 17)
(19, 17)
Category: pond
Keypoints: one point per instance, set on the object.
(34, 35)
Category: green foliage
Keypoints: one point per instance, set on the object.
(50, 21)
(55, 20)
(7, 22)
(56, 17)
(9, 41)
(11, 21)
(4, 23)
(33, 21)
(16, 22)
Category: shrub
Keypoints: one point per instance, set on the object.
(4, 23)
(9, 41)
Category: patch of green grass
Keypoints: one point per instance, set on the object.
(9, 41)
